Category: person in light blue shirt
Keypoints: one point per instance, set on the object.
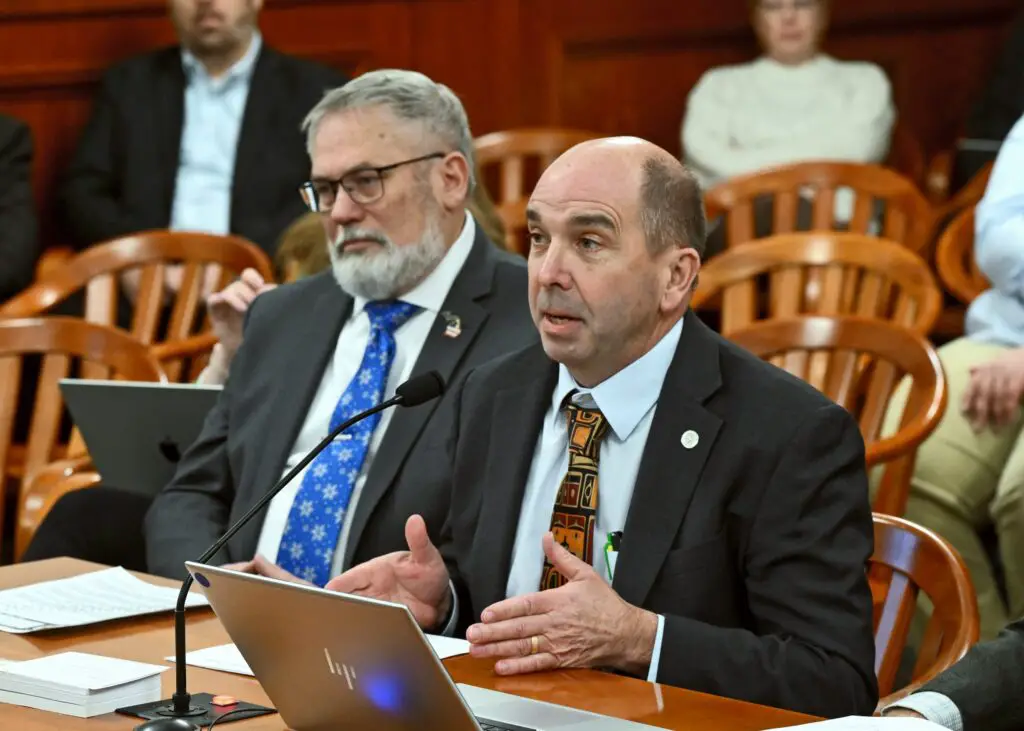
(203, 136)
(970, 473)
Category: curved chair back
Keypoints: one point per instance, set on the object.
(203, 263)
(521, 155)
(67, 346)
(906, 155)
(954, 258)
(910, 559)
(858, 362)
(886, 203)
(819, 273)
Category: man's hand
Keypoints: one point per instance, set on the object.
(992, 397)
(581, 624)
(260, 566)
(416, 578)
(228, 307)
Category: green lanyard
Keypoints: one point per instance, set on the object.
(611, 545)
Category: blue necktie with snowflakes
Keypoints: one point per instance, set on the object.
(318, 511)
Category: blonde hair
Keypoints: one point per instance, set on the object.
(302, 249)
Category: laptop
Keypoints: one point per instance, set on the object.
(331, 661)
(136, 432)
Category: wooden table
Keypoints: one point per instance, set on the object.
(151, 639)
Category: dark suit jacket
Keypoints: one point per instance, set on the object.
(122, 177)
(752, 544)
(988, 684)
(19, 242)
(290, 334)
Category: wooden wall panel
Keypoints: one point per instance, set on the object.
(629, 70)
(617, 67)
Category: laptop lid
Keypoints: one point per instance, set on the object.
(136, 432)
(330, 660)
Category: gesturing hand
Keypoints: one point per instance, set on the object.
(228, 307)
(581, 624)
(416, 578)
(992, 397)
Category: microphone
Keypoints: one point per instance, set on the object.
(171, 715)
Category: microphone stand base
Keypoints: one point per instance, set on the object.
(202, 711)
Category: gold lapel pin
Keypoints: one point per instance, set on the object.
(453, 325)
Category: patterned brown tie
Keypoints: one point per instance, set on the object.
(575, 513)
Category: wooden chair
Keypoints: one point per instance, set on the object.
(858, 362)
(820, 273)
(909, 559)
(208, 263)
(954, 259)
(907, 215)
(953, 231)
(510, 151)
(906, 155)
(95, 350)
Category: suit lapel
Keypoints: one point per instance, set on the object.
(669, 470)
(256, 133)
(442, 354)
(517, 418)
(302, 373)
(168, 124)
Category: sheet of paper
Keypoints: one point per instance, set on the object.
(868, 723)
(227, 658)
(445, 647)
(79, 671)
(98, 596)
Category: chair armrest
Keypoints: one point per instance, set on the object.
(190, 347)
(43, 488)
(937, 177)
(51, 259)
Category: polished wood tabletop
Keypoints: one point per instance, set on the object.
(151, 639)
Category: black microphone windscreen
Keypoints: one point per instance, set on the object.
(421, 389)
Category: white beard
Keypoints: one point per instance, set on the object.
(381, 275)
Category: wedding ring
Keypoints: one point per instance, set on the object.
(534, 644)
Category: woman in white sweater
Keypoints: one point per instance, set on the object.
(792, 104)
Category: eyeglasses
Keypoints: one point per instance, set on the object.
(363, 186)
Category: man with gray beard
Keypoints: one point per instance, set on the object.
(414, 286)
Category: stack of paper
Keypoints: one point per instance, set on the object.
(228, 659)
(99, 596)
(78, 684)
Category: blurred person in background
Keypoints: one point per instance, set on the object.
(198, 137)
(968, 479)
(793, 104)
(19, 242)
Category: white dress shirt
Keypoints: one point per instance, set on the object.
(935, 707)
(429, 295)
(214, 108)
(627, 400)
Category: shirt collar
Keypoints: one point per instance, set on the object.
(241, 70)
(626, 397)
(431, 293)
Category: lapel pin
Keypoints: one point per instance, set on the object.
(689, 439)
(453, 325)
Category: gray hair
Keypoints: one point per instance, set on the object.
(671, 207)
(410, 96)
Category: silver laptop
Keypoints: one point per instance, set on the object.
(136, 432)
(331, 661)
